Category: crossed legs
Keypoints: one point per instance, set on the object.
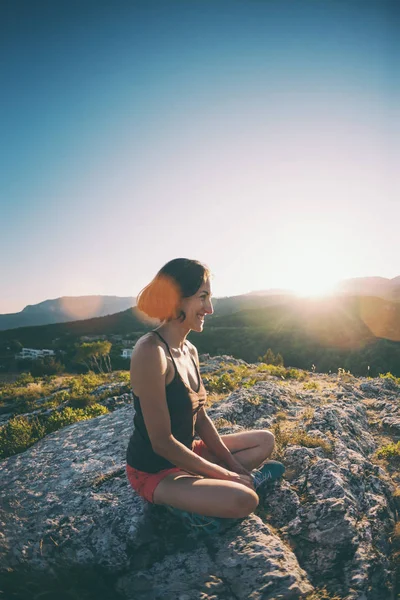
(217, 497)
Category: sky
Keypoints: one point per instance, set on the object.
(260, 137)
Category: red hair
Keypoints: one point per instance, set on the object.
(179, 278)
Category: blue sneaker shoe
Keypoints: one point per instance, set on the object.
(270, 471)
(194, 521)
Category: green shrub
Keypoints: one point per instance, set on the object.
(24, 379)
(390, 376)
(69, 415)
(389, 452)
(19, 433)
(282, 372)
(220, 384)
(82, 401)
(60, 397)
(311, 385)
(123, 376)
(15, 436)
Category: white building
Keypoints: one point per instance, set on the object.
(127, 352)
(34, 353)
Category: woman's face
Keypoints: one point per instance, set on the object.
(198, 306)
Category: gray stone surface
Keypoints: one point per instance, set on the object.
(67, 507)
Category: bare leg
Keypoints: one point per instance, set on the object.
(206, 496)
(250, 448)
(216, 497)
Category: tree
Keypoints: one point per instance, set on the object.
(269, 358)
(95, 355)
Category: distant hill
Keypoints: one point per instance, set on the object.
(64, 309)
(380, 287)
(74, 308)
(85, 308)
(341, 321)
(126, 321)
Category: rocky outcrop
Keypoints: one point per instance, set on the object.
(68, 513)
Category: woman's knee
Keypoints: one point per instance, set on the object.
(268, 441)
(243, 503)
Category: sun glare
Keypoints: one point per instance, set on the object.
(313, 288)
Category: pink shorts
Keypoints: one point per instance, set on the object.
(145, 483)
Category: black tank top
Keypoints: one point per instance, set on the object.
(183, 405)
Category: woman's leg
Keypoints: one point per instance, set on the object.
(206, 496)
(217, 497)
(250, 448)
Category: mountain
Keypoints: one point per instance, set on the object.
(346, 322)
(64, 309)
(380, 287)
(77, 308)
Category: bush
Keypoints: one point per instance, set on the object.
(389, 452)
(311, 385)
(282, 372)
(47, 366)
(24, 379)
(391, 377)
(68, 415)
(123, 376)
(60, 397)
(82, 401)
(20, 433)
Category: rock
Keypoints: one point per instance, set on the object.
(68, 513)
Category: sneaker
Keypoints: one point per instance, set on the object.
(270, 471)
(194, 521)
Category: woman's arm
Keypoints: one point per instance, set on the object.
(210, 436)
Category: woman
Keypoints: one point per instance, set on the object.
(165, 465)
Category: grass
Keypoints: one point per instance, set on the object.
(20, 433)
(62, 400)
(230, 377)
(390, 452)
(220, 423)
(388, 375)
(307, 414)
(311, 385)
(280, 416)
(294, 435)
(321, 594)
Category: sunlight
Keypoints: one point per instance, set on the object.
(313, 288)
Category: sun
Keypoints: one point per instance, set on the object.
(313, 288)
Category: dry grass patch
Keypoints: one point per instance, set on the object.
(220, 423)
(281, 416)
(307, 414)
(311, 385)
(215, 397)
(321, 594)
(291, 434)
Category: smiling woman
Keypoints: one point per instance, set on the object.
(211, 476)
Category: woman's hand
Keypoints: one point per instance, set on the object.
(244, 479)
(234, 465)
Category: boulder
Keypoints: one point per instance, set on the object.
(73, 527)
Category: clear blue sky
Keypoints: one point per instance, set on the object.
(258, 136)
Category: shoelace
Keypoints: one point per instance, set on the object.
(260, 478)
(269, 471)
